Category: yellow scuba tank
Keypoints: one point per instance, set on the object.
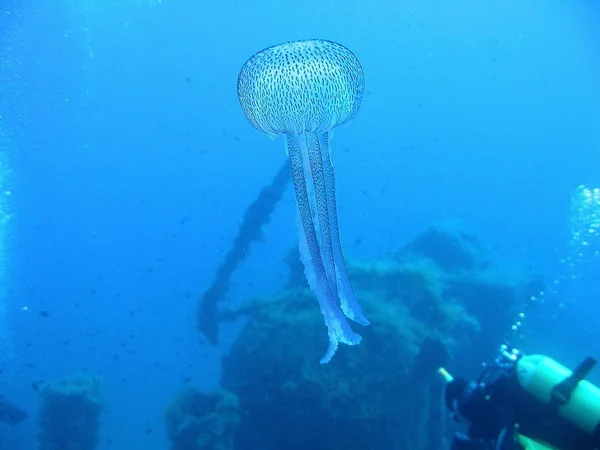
(541, 376)
(532, 444)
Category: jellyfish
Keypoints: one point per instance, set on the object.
(303, 90)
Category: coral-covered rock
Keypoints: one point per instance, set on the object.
(426, 303)
(69, 417)
(202, 421)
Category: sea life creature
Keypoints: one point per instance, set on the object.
(303, 90)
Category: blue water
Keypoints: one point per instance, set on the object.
(131, 164)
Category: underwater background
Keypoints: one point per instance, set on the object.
(127, 167)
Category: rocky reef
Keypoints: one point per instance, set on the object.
(69, 417)
(197, 420)
(430, 304)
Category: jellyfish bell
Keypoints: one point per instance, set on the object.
(301, 86)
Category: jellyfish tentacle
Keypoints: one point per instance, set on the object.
(348, 301)
(313, 148)
(338, 328)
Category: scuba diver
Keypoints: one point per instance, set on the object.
(11, 413)
(525, 402)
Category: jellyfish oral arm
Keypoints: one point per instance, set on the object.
(310, 253)
(348, 300)
(312, 157)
